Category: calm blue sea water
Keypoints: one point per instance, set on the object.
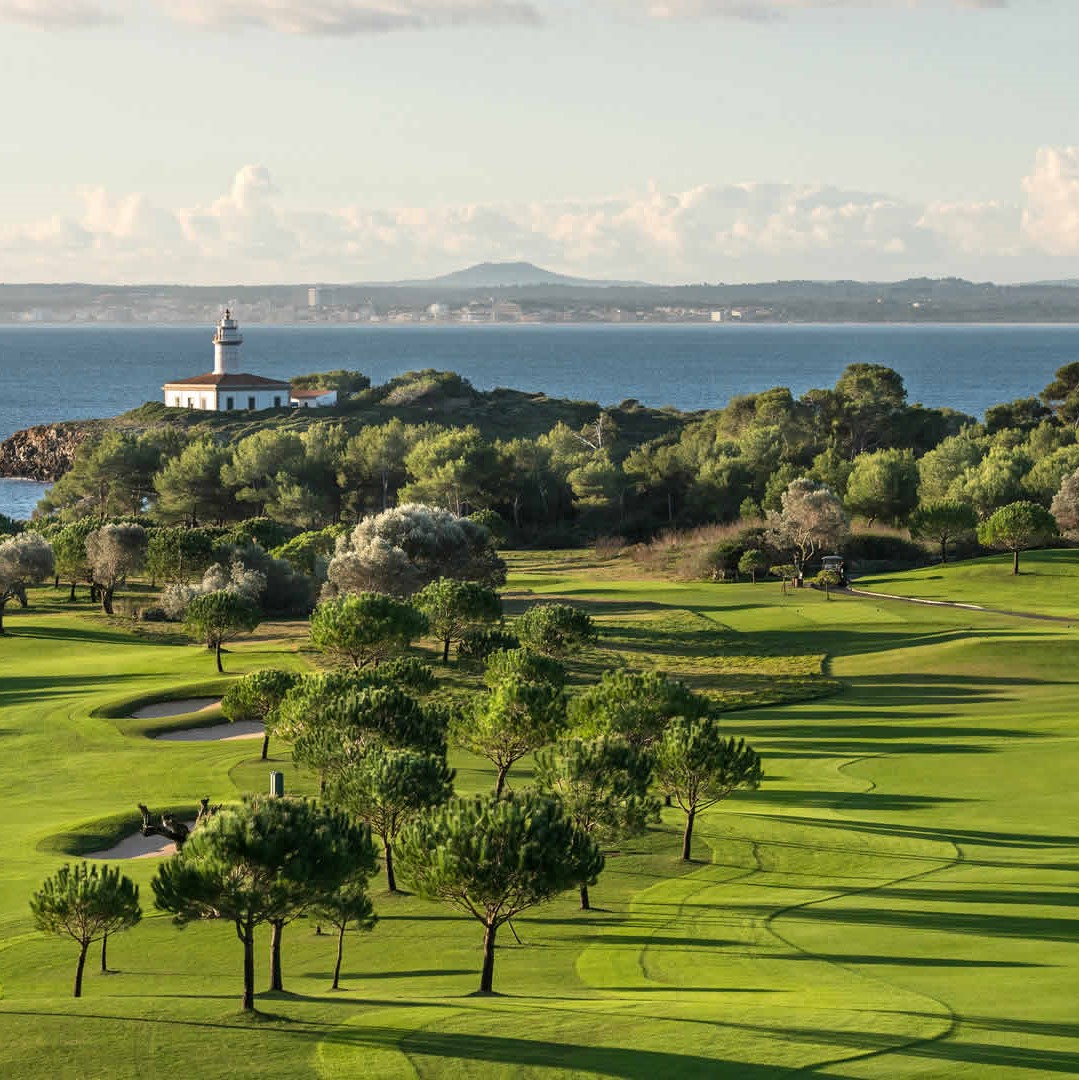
(63, 373)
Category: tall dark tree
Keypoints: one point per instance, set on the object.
(263, 861)
(494, 858)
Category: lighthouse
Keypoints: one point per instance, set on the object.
(227, 342)
(228, 387)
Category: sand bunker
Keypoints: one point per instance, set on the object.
(139, 847)
(242, 729)
(175, 708)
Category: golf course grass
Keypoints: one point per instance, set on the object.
(1047, 583)
(897, 900)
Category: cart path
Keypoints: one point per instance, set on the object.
(959, 606)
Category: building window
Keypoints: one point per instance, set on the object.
(277, 401)
(190, 402)
(250, 402)
(229, 403)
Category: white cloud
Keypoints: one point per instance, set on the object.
(56, 14)
(342, 17)
(1051, 217)
(731, 232)
(766, 10)
(351, 16)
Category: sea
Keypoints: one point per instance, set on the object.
(50, 373)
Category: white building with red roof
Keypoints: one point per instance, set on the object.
(227, 387)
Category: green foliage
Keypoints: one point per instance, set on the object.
(265, 860)
(112, 475)
(698, 767)
(514, 718)
(364, 629)
(221, 616)
(944, 522)
(257, 697)
(753, 562)
(634, 705)
(387, 787)
(304, 551)
(494, 858)
(263, 531)
(556, 629)
(602, 784)
(451, 469)
(478, 645)
(995, 481)
(1018, 527)
(494, 523)
(525, 665)
(189, 487)
(177, 555)
(455, 607)
(1023, 415)
(883, 484)
(257, 466)
(85, 902)
(333, 722)
(1062, 394)
(348, 906)
(25, 560)
(344, 382)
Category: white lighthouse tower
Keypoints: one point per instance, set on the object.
(227, 342)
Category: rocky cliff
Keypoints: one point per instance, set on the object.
(42, 453)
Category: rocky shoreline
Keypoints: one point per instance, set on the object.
(42, 453)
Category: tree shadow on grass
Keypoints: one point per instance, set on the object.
(897, 961)
(367, 976)
(1029, 927)
(101, 636)
(624, 1063)
(851, 800)
(16, 688)
(949, 836)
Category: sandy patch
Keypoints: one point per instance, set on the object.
(242, 729)
(139, 847)
(175, 708)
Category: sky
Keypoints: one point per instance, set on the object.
(271, 141)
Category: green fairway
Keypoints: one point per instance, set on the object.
(1047, 583)
(897, 900)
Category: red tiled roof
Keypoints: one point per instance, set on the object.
(311, 393)
(236, 382)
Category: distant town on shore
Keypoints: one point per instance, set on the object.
(509, 293)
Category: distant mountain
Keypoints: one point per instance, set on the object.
(491, 275)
